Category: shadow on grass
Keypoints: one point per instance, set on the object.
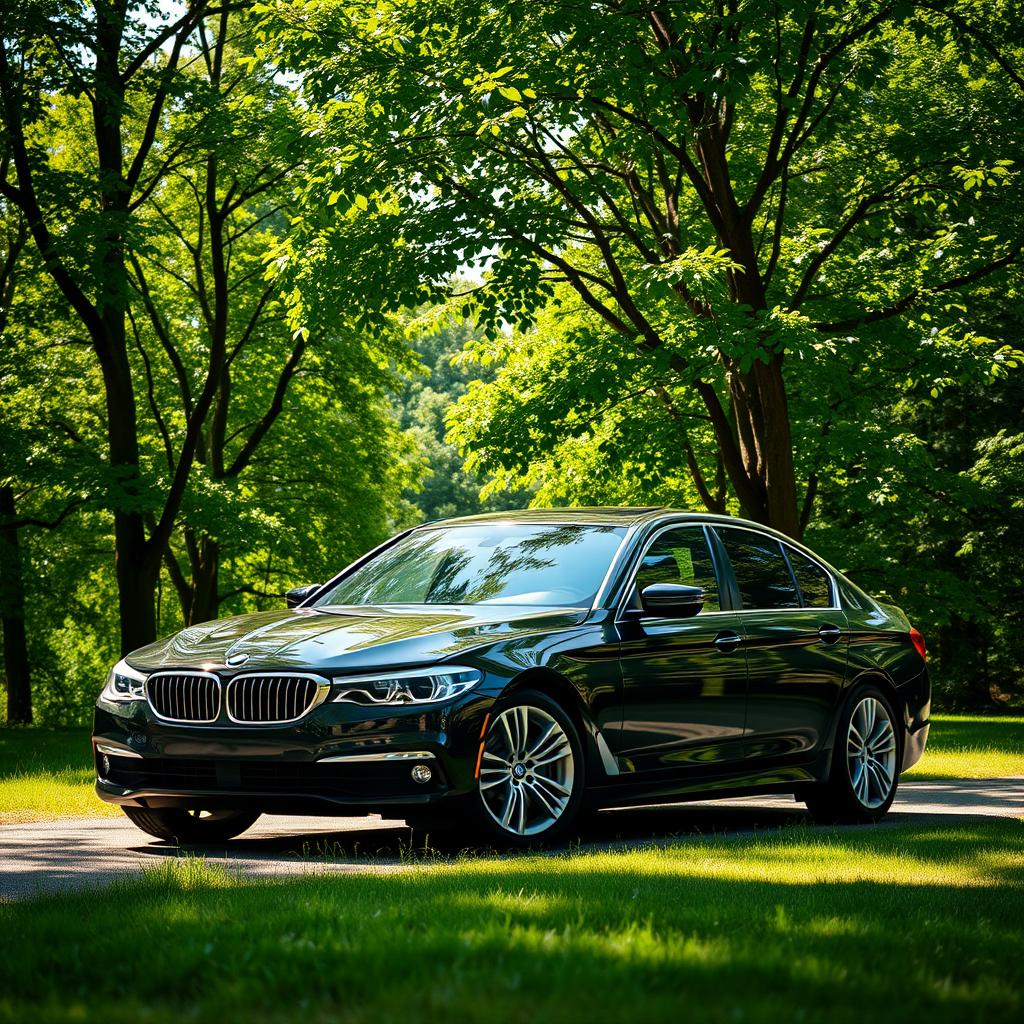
(845, 925)
(31, 750)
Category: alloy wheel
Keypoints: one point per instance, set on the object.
(526, 771)
(871, 752)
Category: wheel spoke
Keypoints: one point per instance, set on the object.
(560, 755)
(552, 784)
(553, 809)
(510, 802)
(508, 735)
(869, 716)
(882, 727)
(495, 759)
(883, 772)
(553, 750)
(855, 736)
(523, 716)
(535, 751)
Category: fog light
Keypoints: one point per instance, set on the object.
(106, 764)
(421, 773)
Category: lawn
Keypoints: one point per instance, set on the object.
(47, 773)
(972, 747)
(846, 925)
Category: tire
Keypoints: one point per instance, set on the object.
(863, 777)
(546, 798)
(189, 828)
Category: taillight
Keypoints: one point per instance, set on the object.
(918, 641)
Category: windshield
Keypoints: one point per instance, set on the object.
(488, 563)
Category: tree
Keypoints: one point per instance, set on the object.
(201, 286)
(122, 62)
(449, 487)
(726, 188)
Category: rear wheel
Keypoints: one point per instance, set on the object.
(864, 774)
(192, 828)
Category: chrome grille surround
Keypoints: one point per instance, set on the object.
(189, 696)
(274, 698)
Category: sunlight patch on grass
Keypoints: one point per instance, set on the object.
(35, 796)
(721, 930)
(972, 747)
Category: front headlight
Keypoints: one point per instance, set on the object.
(124, 683)
(409, 686)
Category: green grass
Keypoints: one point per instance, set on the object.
(870, 924)
(972, 747)
(47, 773)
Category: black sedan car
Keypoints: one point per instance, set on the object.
(504, 672)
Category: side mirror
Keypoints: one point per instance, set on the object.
(295, 597)
(672, 600)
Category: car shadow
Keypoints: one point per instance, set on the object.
(360, 842)
(394, 843)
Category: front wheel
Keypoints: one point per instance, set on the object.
(191, 828)
(530, 782)
(864, 773)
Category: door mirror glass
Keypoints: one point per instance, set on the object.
(295, 597)
(671, 600)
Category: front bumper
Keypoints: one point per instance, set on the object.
(339, 759)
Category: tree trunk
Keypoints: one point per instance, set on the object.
(12, 611)
(763, 476)
(137, 568)
(204, 558)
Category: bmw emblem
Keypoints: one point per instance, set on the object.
(234, 660)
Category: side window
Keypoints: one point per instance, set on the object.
(761, 572)
(681, 556)
(812, 580)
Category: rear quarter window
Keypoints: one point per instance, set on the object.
(762, 573)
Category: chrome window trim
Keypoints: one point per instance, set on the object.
(391, 755)
(726, 523)
(195, 674)
(323, 689)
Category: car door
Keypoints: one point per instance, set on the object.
(795, 638)
(683, 679)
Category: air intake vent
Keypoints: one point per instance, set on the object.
(184, 696)
(278, 698)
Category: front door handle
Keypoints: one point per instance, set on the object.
(728, 640)
(829, 634)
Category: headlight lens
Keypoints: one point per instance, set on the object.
(124, 683)
(416, 686)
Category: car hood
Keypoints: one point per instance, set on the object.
(351, 638)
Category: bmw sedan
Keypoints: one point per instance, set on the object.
(502, 673)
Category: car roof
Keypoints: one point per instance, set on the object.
(593, 516)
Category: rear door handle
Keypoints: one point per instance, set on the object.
(728, 640)
(829, 634)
